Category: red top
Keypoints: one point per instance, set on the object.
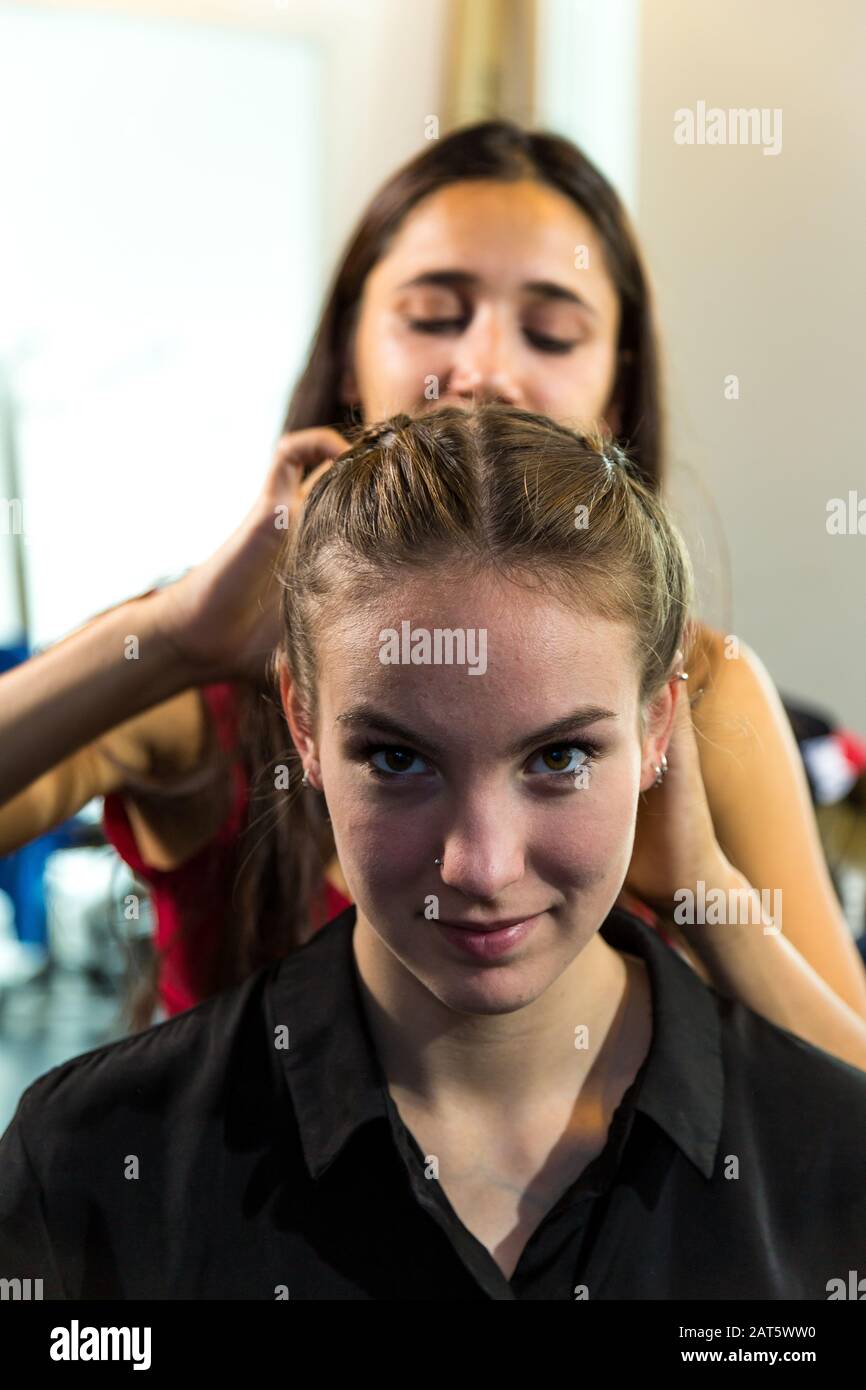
(199, 892)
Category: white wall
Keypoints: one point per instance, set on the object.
(182, 177)
(587, 82)
(759, 264)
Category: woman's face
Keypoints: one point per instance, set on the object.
(440, 760)
(489, 291)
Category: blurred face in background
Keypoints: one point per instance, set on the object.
(425, 761)
(489, 291)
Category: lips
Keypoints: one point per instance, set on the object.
(489, 926)
(489, 942)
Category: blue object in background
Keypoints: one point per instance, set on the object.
(13, 656)
(21, 876)
(21, 873)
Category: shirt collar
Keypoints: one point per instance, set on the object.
(683, 1087)
(336, 1080)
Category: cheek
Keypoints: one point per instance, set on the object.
(584, 840)
(377, 842)
(592, 840)
(387, 862)
(393, 364)
(578, 390)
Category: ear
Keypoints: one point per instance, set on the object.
(297, 719)
(659, 720)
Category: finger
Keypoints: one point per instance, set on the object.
(684, 777)
(681, 751)
(312, 478)
(683, 725)
(298, 453)
(306, 448)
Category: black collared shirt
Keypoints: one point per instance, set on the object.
(249, 1149)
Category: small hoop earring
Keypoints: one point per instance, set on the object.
(661, 771)
(305, 780)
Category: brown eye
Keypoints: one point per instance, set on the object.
(564, 759)
(397, 761)
(560, 757)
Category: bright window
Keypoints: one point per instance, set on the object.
(159, 275)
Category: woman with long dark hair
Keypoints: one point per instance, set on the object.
(496, 265)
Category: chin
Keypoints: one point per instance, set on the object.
(486, 991)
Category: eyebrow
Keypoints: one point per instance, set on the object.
(464, 279)
(367, 715)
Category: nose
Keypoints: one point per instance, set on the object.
(483, 853)
(485, 364)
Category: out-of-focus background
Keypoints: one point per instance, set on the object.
(178, 180)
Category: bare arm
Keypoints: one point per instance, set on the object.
(52, 706)
(167, 740)
(67, 696)
(762, 812)
(733, 814)
(97, 695)
(767, 972)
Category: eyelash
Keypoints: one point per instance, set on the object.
(538, 340)
(366, 750)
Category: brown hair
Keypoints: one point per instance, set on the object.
(495, 489)
(287, 841)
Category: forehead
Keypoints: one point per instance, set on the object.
(543, 659)
(507, 233)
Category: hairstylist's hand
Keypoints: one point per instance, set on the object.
(222, 617)
(675, 841)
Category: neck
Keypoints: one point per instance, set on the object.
(438, 1059)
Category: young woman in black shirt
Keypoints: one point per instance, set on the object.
(484, 1079)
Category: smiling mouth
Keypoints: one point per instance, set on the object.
(485, 927)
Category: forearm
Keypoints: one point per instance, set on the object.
(70, 694)
(765, 971)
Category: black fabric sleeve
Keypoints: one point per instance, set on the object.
(25, 1242)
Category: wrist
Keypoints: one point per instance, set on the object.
(725, 900)
(153, 619)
